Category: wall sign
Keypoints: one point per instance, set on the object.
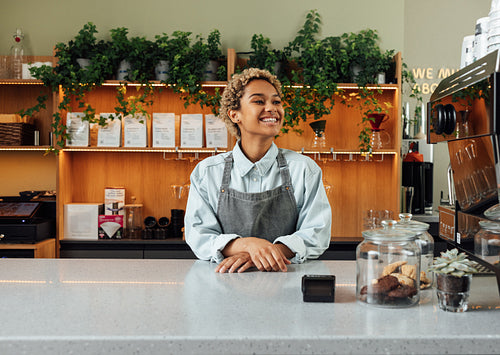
(428, 78)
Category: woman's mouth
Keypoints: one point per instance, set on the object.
(269, 119)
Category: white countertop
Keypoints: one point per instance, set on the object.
(92, 306)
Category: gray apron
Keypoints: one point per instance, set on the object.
(268, 215)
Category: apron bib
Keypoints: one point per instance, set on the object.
(268, 215)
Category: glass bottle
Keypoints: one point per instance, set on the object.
(17, 54)
(388, 267)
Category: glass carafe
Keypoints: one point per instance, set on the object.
(132, 228)
(319, 140)
(380, 139)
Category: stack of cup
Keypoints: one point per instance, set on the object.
(494, 27)
(467, 51)
(176, 223)
(480, 48)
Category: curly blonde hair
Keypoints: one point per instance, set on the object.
(236, 88)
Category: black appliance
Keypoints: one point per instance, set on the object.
(27, 221)
(464, 111)
(419, 176)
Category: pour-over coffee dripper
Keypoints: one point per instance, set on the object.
(379, 138)
(319, 140)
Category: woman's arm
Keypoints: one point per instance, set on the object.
(313, 233)
(201, 226)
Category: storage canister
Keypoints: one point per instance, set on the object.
(424, 241)
(487, 242)
(388, 267)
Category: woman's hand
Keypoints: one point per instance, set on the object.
(263, 254)
(239, 262)
(267, 256)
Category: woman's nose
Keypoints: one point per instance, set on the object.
(270, 107)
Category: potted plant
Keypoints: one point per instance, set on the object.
(214, 69)
(141, 59)
(314, 79)
(187, 71)
(84, 46)
(453, 277)
(162, 56)
(120, 48)
(365, 56)
(264, 57)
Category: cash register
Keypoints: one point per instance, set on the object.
(27, 221)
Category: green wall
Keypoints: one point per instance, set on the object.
(429, 33)
(49, 21)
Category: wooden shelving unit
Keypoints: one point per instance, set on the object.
(359, 182)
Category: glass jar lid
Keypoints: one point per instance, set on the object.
(493, 212)
(389, 233)
(490, 226)
(405, 222)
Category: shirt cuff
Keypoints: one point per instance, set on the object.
(296, 245)
(219, 244)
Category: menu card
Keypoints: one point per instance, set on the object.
(192, 130)
(134, 131)
(110, 134)
(163, 129)
(77, 129)
(215, 132)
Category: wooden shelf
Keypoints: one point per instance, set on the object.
(20, 82)
(24, 148)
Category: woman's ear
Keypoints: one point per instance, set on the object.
(234, 116)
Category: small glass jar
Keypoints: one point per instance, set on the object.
(424, 241)
(388, 267)
(487, 242)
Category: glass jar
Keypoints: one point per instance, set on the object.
(388, 267)
(424, 241)
(132, 228)
(487, 242)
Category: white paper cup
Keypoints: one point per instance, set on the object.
(467, 51)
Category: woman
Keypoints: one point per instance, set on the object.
(256, 206)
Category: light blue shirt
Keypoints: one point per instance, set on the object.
(202, 230)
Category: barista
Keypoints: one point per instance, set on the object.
(258, 205)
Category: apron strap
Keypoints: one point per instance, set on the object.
(285, 173)
(226, 178)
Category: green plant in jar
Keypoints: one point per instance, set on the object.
(453, 278)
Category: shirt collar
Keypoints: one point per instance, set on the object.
(244, 166)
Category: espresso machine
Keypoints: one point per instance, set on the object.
(464, 112)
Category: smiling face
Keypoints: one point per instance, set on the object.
(260, 115)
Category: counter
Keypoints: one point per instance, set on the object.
(61, 306)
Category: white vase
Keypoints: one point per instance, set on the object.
(161, 70)
(123, 70)
(211, 70)
(83, 62)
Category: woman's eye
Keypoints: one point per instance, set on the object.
(260, 102)
(277, 102)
